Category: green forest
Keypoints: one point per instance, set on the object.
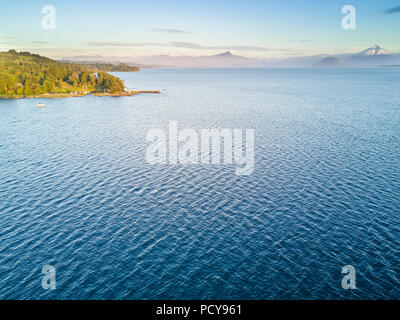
(107, 67)
(23, 74)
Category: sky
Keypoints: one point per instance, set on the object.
(253, 28)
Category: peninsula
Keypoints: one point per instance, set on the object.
(27, 75)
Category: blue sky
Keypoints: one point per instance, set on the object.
(252, 28)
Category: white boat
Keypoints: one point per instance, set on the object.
(41, 105)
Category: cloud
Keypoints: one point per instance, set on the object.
(39, 42)
(167, 30)
(190, 45)
(15, 39)
(393, 10)
(301, 40)
(125, 44)
(112, 32)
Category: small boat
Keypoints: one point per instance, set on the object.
(41, 105)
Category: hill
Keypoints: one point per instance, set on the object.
(28, 75)
(103, 66)
(330, 62)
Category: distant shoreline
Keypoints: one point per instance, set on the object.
(390, 66)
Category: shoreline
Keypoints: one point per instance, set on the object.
(83, 94)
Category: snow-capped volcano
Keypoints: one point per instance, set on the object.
(376, 50)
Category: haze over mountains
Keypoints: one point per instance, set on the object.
(223, 60)
(330, 62)
(370, 57)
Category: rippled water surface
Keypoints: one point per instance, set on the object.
(76, 191)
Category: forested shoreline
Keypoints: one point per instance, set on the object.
(23, 74)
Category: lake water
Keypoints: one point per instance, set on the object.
(77, 193)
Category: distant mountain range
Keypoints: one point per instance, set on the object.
(223, 60)
(371, 57)
(376, 50)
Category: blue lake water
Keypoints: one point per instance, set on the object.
(77, 193)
